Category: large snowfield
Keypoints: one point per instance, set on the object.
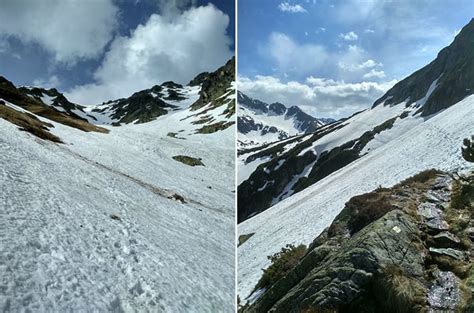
(413, 144)
(89, 225)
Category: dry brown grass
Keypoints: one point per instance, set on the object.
(10, 93)
(28, 122)
(63, 118)
(366, 208)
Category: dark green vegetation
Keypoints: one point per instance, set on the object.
(18, 97)
(244, 238)
(212, 128)
(282, 168)
(188, 160)
(468, 149)
(413, 254)
(454, 69)
(28, 122)
(282, 263)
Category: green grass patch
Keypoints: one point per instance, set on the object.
(188, 160)
(244, 238)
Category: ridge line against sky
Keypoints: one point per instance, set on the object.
(336, 57)
(104, 50)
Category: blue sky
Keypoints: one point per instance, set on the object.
(101, 50)
(336, 57)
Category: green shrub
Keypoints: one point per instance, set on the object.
(468, 149)
(462, 196)
(282, 263)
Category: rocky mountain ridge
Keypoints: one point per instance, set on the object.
(259, 123)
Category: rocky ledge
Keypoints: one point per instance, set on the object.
(402, 249)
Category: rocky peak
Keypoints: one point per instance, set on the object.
(277, 108)
(250, 103)
(215, 84)
(171, 85)
(445, 81)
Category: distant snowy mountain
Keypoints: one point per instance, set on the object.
(136, 217)
(260, 123)
(290, 190)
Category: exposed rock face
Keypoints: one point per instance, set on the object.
(452, 74)
(215, 84)
(143, 106)
(393, 264)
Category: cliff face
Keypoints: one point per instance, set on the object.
(404, 249)
(442, 83)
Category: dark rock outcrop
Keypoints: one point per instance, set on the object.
(453, 69)
(214, 85)
(389, 265)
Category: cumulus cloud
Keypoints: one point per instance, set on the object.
(291, 56)
(68, 29)
(318, 96)
(295, 8)
(350, 36)
(359, 66)
(374, 74)
(167, 47)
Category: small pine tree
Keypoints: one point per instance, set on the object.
(468, 149)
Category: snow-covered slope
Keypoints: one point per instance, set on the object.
(111, 222)
(424, 143)
(261, 123)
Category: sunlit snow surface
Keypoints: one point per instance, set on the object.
(61, 251)
(412, 145)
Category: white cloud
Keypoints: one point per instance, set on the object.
(51, 82)
(317, 96)
(369, 31)
(287, 7)
(66, 28)
(320, 30)
(291, 56)
(359, 66)
(164, 48)
(374, 74)
(350, 36)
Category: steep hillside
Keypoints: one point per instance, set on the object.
(442, 83)
(260, 123)
(308, 159)
(298, 186)
(118, 220)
